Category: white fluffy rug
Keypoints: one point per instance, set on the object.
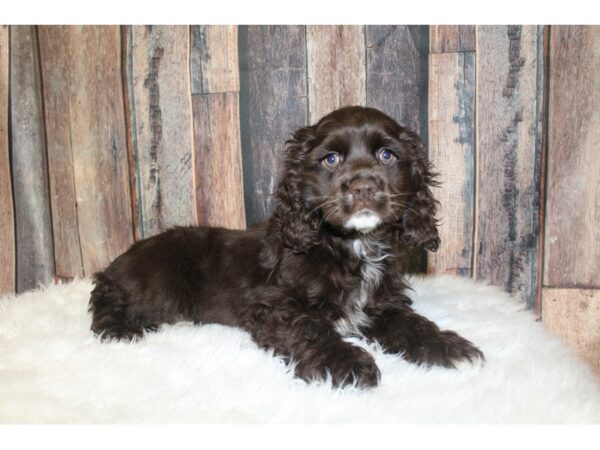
(52, 370)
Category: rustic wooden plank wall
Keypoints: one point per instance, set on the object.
(87, 153)
(111, 134)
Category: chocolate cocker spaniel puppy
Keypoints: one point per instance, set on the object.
(353, 200)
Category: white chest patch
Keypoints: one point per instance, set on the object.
(372, 256)
(363, 221)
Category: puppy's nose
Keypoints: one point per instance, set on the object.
(363, 189)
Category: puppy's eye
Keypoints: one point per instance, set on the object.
(331, 160)
(386, 156)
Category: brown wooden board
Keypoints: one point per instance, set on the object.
(158, 77)
(87, 154)
(336, 68)
(574, 315)
(273, 104)
(452, 150)
(397, 80)
(7, 230)
(452, 38)
(219, 184)
(572, 236)
(214, 59)
(509, 127)
(35, 252)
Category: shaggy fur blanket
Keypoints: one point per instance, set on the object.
(53, 370)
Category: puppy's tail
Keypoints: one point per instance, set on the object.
(109, 305)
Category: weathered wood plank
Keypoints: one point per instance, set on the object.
(219, 183)
(572, 241)
(87, 153)
(452, 150)
(336, 68)
(452, 38)
(158, 80)
(574, 315)
(397, 60)
(7, 236)
(214, 59)
(35, 250)
(397, 66)
(509, 101)
(273, 104)
(54, 56)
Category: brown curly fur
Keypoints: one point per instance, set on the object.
(304, 279)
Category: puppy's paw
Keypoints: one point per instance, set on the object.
(346, 366)
(446, 349)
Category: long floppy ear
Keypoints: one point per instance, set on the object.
(298, 229)
(418, 223)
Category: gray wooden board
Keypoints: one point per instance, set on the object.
(273, 104)
(160, 120)
(33, 222)
(509, 131)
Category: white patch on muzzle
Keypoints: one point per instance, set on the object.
(364, 221)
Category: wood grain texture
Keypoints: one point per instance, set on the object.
(214, 59)
(574, 315)
(273, 105)
(87, 154)
(158, 77)
(33, 219)
(572, 240)
(397, 60)
(218, 159)
(336, 68)
(452, 150)
(7, 227)
(452, 38)
(509, 119)
(397, 79)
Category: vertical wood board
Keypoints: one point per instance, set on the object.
(509, 126)
(219, 184)
(572, 237)
(336, 68)
(452, 150)
(397, 60)
(214, 59)
(452, 38)
(33, 223)
(7, 237)
(273, 104)
(574, 315)
(158, 78)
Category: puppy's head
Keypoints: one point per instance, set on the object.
(356, 171)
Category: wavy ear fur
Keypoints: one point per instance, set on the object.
(419, 225)
(298, 229)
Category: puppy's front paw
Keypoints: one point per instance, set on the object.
(445, 349)
(345, 365)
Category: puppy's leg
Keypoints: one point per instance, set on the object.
(311, 342)
(112, 316)
(401, 330)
